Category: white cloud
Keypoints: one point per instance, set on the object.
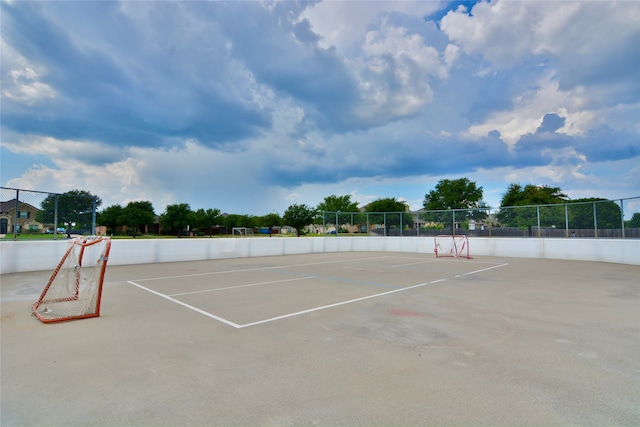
(585, 40)
(21, 80)
(27, 88)
(527, 110)
(240, 105)
(506, 32)
(451, 53)
(343, 24)
(396, 42)
(394, 78)
(55, 149)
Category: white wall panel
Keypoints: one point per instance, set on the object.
(44, 255)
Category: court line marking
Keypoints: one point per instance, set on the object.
(324, 307)
(363, 269)
(412, 263)
(310, 310)
(481, 270)
(244, 286)
(184, 304)
(258, 269)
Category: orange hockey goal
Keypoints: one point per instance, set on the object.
(452, 246)
(74, 290)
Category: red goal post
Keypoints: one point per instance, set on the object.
(74, 290)
(447, 245)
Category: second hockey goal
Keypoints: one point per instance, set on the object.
(452, 246)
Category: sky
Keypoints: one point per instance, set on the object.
(250, 107)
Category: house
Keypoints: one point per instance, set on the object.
(26, 218)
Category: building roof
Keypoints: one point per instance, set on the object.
(10, 205)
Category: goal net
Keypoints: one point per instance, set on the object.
(74, 290)
(452, 246)
(241, 231)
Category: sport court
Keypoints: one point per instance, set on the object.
(336, 339)
(258, 293)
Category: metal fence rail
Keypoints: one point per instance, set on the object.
(38, 213)
(601, 218)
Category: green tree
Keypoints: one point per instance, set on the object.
(236, 220)
(109, 217)
(205, 219)
(176, 218)
(269, 220)
(455, 194)
(634, 222)
(342, 206)
(518, 206)
(581, 213)
(517, 195)
(298, 216)
(74, 207)
(136, 215)
(338, 204)
(390, 212)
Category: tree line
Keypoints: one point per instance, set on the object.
(461, 195)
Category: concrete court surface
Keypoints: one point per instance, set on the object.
(337, 339)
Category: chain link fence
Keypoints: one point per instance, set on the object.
(600, 218)
(38, 214)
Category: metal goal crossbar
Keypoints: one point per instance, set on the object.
(74, 290)
(451, 246)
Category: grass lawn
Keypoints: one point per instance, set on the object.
(63, 236)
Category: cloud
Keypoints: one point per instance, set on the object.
(551, 123)
(252, 106)
(509, 33)
(27, 88)
(61, 151)
(342, 25)
(136, 89)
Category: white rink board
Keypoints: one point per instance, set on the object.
(18, 257)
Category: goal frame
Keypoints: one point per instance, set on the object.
(79, 244)
(451, 245)
(242, 231)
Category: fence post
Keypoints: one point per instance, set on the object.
(93, 217)
(16, 216)
(595, 221)
(368, 226)
(384, 220)
(453, 222)
(490, 223)
(622, 215)
(55, 217)
(566, 220)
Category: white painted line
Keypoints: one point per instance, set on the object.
(244, 286)
(210, 273)
(413, 263)
(363, 269)
(197, 310)
(311, 310)
(481, 270)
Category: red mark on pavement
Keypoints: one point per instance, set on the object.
(403, 312)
